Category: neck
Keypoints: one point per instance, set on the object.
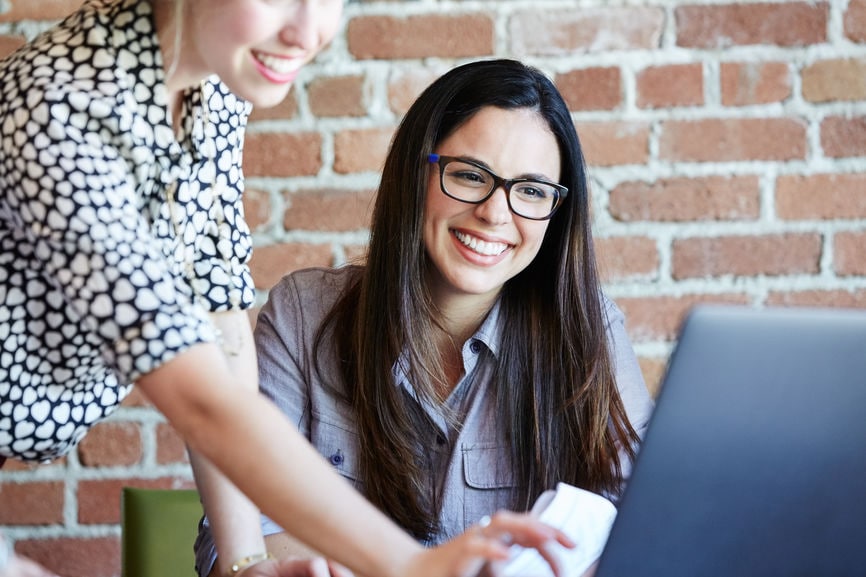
(461, 315)
(180, 72)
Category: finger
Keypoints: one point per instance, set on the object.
(525, 530)
(338, 570)
(318, 567)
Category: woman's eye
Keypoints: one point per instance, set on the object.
(469, 177)
(531, 192)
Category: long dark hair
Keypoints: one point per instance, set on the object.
(554, 375)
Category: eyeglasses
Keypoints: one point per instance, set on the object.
(470, 182)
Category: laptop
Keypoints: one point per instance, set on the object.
(754, 463)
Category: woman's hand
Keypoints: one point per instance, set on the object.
(317, 567)
(466, 555)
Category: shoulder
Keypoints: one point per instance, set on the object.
(312, 289)
(69, 69)
(612, 313)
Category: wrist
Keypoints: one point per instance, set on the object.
(405, 563)
(244, 563)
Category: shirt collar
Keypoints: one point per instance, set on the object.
(489, 333)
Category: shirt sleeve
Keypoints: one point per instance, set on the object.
(76, 204)
(222, 249)
(280, 338)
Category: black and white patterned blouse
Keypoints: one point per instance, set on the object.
(116, 234)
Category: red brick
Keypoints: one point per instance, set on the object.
(747, 83)
(835, 80)
(136, 398)
(9, 44)
(653, 371)
(39, 9)
(430, 35)
(687, 199)
(719, 140)
(843, 136)
(328, 210)
(564, 32)
(614, 143)
(627, 257)
(337, 96)
(111, 444)
(591, 88)
(31, 503)
(280, 154)
(75, 557)
(285, 110)
(855, 20)
(253, 315)
(356, 254)
(99, 500)
(821, 196)
(752, 255)
(361, 150)
(257, 209)
(170, 447)
(659, 318)
(855, 298)
(781, 24)
(271, 263)
(670, 85)
(16, 465)
(849, 253)
(405, 88)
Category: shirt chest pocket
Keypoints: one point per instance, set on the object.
(339, 445)
(489, 481)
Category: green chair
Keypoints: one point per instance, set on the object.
(159, 528)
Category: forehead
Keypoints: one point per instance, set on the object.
(512, 142)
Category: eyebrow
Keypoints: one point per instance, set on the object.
(529, 175)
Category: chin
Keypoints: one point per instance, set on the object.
(262, 99)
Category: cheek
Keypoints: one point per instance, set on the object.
(221, 34)
(533, 235)
(330, 22)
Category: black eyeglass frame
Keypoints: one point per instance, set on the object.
(498, 182)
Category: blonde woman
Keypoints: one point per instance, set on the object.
(123, 259)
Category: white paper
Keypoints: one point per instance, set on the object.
(584, 516)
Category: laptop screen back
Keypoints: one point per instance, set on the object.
(754, 463)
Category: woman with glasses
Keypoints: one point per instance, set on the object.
(472, 362)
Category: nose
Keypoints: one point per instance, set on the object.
(495, 209)
(301, 28)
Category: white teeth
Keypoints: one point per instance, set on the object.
(278, 65)
(481, 246)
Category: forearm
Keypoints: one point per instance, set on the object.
(259, 449)
(234, 519)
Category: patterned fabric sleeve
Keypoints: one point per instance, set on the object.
(224, 246)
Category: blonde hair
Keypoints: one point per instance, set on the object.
(178, 30)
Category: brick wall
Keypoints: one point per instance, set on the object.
(727, 144)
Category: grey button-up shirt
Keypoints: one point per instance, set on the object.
(470, 465)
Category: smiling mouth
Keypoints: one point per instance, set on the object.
(482, 247)
(282, 66)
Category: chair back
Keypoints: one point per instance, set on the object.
(159, 527)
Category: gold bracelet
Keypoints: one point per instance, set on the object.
(246, 562)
